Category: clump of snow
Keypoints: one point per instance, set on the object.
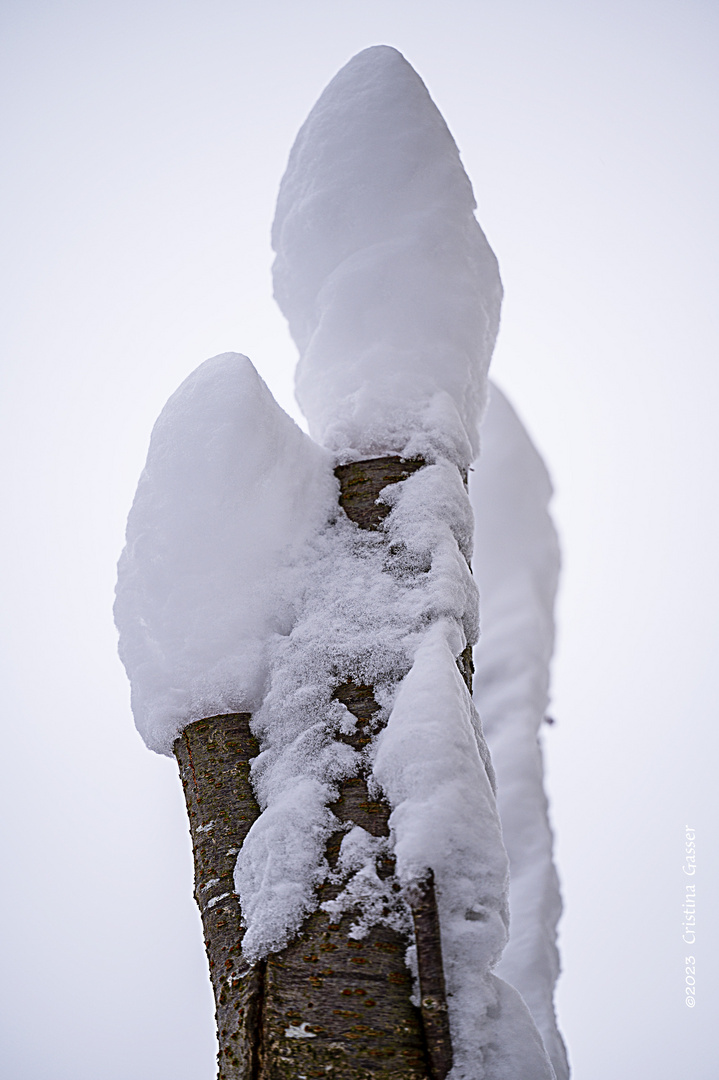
(369, 898)
(230, 493)
(390, 288)
(516, 561)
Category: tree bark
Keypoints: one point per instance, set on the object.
(327, 1003)
(214, 758)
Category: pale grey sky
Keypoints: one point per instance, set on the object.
(143, 148)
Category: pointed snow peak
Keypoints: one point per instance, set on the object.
(390, 288)
(231, 493)
(368, 153)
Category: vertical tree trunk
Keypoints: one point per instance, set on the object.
(214, 758)
(327, 1004)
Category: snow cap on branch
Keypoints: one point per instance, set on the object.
(390, 288)
(230, 494)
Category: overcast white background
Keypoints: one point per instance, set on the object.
(143, 145)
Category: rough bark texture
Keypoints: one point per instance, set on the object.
(327, 1004)
(214, 756)
(362, 481)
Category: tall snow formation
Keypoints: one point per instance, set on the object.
(516, 563)
(230, 494)
(390, 288)
(392, 295)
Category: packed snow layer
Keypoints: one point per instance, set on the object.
(516, 563)
(230, 494)
(390, 288)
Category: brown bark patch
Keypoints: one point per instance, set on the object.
(362, 481)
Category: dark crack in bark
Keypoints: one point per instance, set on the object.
(433, 998)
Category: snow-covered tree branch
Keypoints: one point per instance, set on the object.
(300, 610)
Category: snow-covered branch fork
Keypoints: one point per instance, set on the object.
(297, 615)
